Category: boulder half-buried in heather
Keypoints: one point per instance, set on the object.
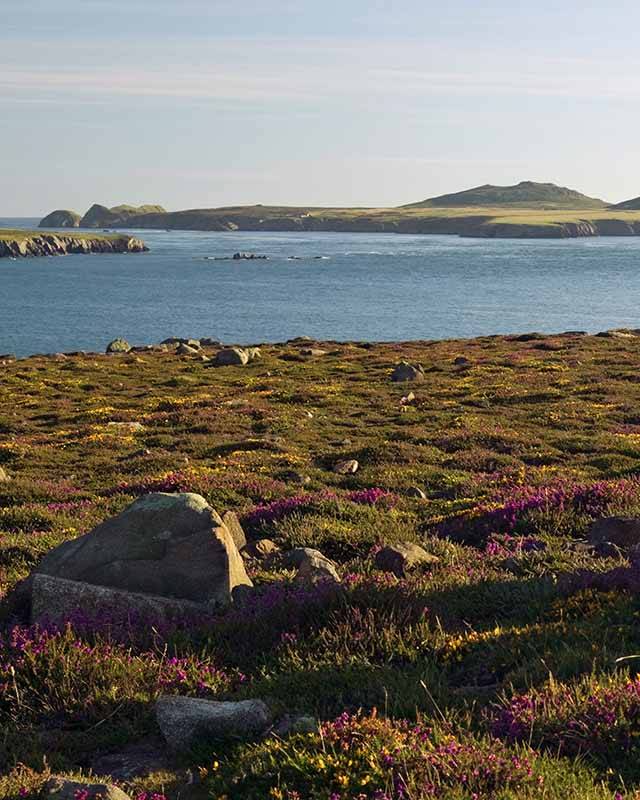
(172, 546)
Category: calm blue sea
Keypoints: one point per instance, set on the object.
(365, 286)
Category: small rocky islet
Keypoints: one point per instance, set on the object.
(322, 569)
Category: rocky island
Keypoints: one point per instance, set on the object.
(21, 244)
(527, 210)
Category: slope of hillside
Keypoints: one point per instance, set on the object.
(526, 194)
(628, 205)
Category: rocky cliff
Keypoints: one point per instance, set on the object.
(55, 244)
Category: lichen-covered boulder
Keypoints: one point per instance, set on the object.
(118, 346)
(231, 356)
(184, 720)
(346, 467)
(169, 545)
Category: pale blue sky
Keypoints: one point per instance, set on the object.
(361, 102)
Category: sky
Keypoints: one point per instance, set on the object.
(203, 103)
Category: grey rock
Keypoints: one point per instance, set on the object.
(295, 725)
(185, 720)
(231, 356)
(619, 531)
(416, 491)
(171, 545)
(260, 549)
(208, 342)
(58, 600)
(346, 467)
(298, 555)
(312, 352)
(186, 350)
(316, 569)
(137, 760)
(63, 789)
(407, 372)
(118, 346)
(253, 353)
(401, 557)
(232, 524)
(4, 476)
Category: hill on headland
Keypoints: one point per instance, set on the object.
(526, 194)
(628, 205)
(98, 216)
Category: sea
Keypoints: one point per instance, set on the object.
(337, 286)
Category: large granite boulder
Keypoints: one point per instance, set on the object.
(184, 720)
(172, 546)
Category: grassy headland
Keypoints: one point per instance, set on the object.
(503, 656)
(526, 210)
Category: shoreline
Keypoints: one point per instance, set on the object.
(209, 345)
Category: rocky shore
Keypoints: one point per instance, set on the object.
(54, 244)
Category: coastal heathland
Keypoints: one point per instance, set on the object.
(501, 665)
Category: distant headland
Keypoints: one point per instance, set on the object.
(526, 210)
(21, 244)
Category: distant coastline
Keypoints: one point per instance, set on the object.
(527, 210)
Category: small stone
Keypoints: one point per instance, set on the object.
(231, 356)
(401, 557)
(347, 467)
(296, 725)
(619, 531)
(308, 414)
(4, 477)
(461, 361)
(232, 524)
(125, 427)
(407, 372)
(186, 350)
(317, 569)
(63, 789)
(298, 555)
(312, 352)
(260, 549)
(118, 346)
(253, 353)
(407, 399)
(185, 720)
(416, 491)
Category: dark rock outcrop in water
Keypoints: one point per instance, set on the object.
(56, 244)
(62, 218)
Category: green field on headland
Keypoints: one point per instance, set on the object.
(464, 627)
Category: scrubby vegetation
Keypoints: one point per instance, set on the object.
(506, 669)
